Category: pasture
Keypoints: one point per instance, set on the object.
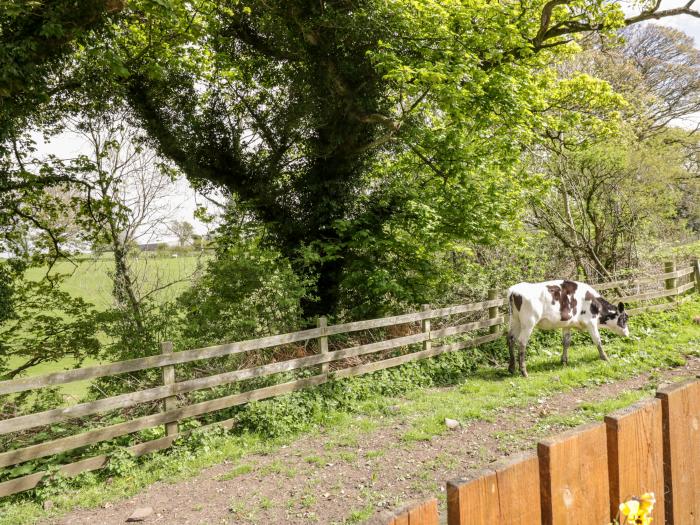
(345, 462)
(89, 278)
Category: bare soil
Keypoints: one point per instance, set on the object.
(320, 479)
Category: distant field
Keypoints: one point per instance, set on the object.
(90, 280)
(689, 250)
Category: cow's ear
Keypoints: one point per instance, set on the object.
(621, 307)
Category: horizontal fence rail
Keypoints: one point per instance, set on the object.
(421, 331)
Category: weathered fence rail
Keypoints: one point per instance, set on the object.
(581, 476)
(425, 335)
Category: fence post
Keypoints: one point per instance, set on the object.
(322, 322)
(574, 477)
(696, 273)
(425, 324)
(508, 492)
(493, 311)
(635, 455)
(172, 428)
(670, 266)
(680, 405)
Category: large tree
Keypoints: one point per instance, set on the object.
(332, 121)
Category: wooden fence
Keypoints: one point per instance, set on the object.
(580, 477)
(423, 329)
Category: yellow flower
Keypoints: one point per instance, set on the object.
(638, 510)
(630, 509)
(646, 502)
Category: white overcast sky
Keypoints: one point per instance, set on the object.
(184, 201)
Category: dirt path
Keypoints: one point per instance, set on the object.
(330, 479)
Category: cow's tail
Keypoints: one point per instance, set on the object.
(510, 304)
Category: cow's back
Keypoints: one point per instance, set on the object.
(551, 304)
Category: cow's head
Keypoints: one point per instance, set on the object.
(615, 319)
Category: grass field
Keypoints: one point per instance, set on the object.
(90, 280)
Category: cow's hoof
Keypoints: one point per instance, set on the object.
(524, 373)
(511, 370)
(565, 362)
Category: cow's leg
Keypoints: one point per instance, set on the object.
(566, 341)
(523, 338)
(511, 351)
(595, 335)
(513, 335)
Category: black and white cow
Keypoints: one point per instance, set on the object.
(560, 304)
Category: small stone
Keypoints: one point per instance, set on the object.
(140, 514)
(47, 505)
(452, 424)
(107, 505)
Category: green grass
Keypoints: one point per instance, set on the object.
(89, 279)
(658, 341)
(690, 250)
(235, 472)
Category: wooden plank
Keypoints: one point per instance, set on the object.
(696, 274)
(425, 327)
(170, 403)
(680, 405)
(671, 282)
(133, 365)
(653, 308)
(425, 513)
(322, 323)
(685, 287)
(646, 296)
(415, 356)
(496, 495)
(30, 481)
(493, 311)
(48, 448)
(574, 477)
(643, 280)
(635, 455)
(143, 363)
(465, 327)
(153, 394)
(408, 318)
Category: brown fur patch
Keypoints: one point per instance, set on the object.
(517, 301)
(555, 292)
(568, 301)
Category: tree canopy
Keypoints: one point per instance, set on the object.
(359, 133)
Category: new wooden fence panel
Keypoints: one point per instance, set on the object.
(574, 477)
(425, 513)
(509, 493)
(635, 455)
(681, 423)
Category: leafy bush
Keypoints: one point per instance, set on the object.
(246, 291)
